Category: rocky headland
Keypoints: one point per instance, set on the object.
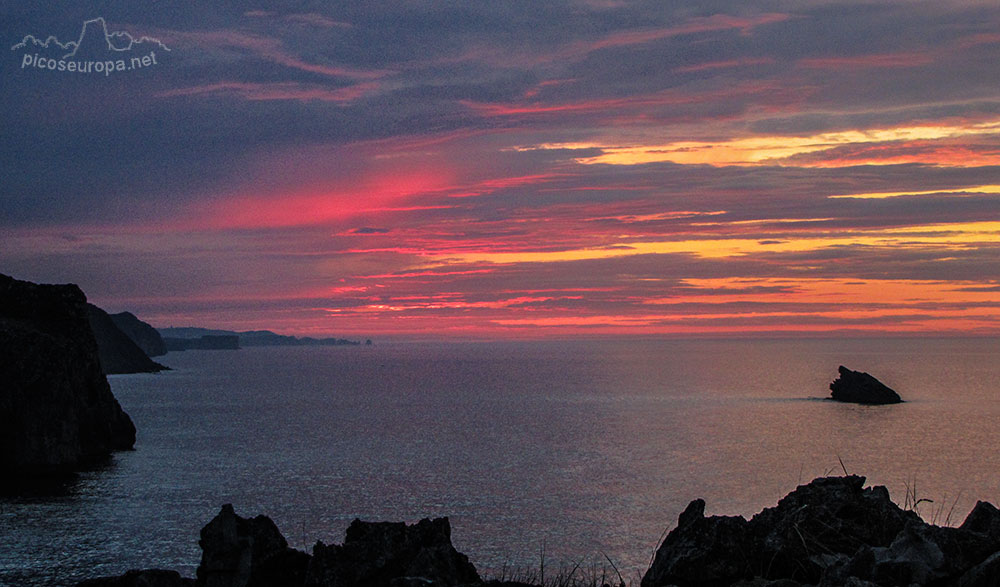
(142, 334)
(118, 351)
(57, 412)
(179, 336)
(831, 532)
(205, 342)
(861, 388)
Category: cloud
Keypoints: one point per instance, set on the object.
(488, 167)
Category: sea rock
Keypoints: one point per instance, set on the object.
(240, 552)
(376, 554)
(119, 354)
(57, 412)
(145, 578)
(861, 388)
(142, 334)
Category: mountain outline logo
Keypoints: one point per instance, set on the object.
(112, 39)
(96, 50)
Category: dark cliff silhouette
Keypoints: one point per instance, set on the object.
(142, 334)
(118, 352)
(57, 412)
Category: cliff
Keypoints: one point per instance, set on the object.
(119, 354)
(57, 411)
(142, 334)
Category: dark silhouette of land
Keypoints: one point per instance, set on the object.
(247, 338)
(142, 334)
(57, 412)
(118, 351)
(830, 532)
(205, 342)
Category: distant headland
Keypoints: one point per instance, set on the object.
(190, 337)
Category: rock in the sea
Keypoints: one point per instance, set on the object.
(861, 388)
(57, 412)
(377, 554)
(142, 334)
(119, 354)
(240, 552)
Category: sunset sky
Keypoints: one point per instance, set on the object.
(516, 169)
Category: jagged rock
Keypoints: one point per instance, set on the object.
(816, 527)
(376, 554)
(701, 551)
(861, 388)
(57, 412)
(983, 519)
(832, 532)
(985, 574)
(239, 552)
(804, 533)
(117, 351)
(142, 334)
(145, 578)
(913, 557)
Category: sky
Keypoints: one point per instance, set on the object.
(510, 169)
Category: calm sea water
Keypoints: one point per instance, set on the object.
(583, 449)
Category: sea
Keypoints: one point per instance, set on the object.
(554, 454)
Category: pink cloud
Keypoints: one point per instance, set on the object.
(277, 91)
(271, 50)
(748, 62)
(911, 59)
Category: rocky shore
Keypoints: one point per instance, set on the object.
(831, 532)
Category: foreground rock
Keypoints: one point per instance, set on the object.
(238, 552)
(375, 554)
(861, 388)
(57, 412)
(119, 353)
(830, 532)
(241, 552)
